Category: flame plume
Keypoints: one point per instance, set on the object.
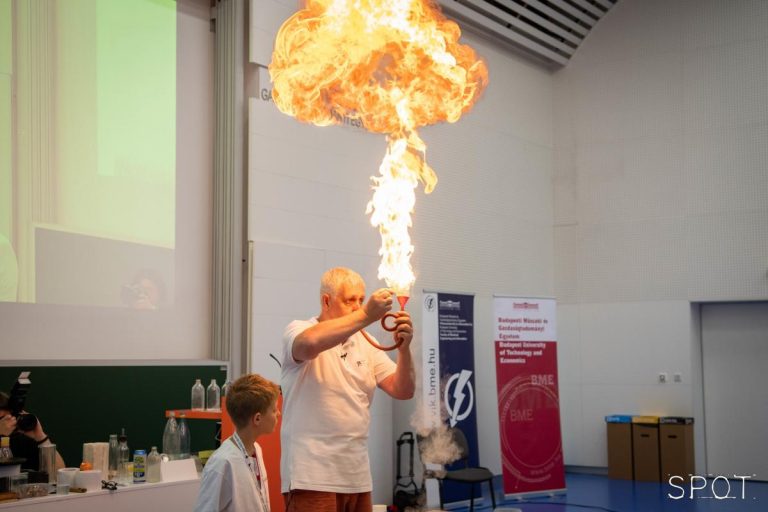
(396, 65)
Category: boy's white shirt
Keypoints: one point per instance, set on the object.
(228, 484)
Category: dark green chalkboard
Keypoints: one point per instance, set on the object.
(78, 404)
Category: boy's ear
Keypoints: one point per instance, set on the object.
(257, 418)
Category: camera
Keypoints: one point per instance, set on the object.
(25, 422)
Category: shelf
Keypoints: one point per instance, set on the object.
(193, 414)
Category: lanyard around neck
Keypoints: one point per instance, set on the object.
(253, 467)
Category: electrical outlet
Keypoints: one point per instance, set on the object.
(677, 377)
(662, 378)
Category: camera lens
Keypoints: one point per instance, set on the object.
(26, 422)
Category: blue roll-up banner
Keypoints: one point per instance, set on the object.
(449, 373)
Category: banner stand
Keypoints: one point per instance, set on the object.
(528, 397)
(448, 379)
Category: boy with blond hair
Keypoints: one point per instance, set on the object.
(235, 479)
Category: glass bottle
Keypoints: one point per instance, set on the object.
(171, 437)
(198, 396)
(225, 388)
(213, 396)
(184, 438)
(114, 449)
(124, 466)
(153, 466)
(123, 452)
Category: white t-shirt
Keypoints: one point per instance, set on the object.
(326, 413)
(228, 484)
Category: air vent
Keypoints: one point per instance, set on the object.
(551, 30)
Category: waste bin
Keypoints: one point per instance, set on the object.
(645, 448)
(619, 430)
(677, 455)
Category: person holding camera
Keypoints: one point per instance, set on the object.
(27, 435)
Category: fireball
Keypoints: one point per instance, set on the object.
(396, 65)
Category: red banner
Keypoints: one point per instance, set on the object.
(529, 412)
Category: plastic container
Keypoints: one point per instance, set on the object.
(17, 481)
(125, 473)
(36, 490)
(47, 456)
(213, 396)
(153, 466)
(198, 396)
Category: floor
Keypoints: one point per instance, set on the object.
(591, 492)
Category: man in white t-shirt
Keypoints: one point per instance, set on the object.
(328, 378)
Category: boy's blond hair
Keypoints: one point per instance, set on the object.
(248, 395)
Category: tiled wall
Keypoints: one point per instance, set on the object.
(661, 198)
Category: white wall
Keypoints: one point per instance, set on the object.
(485, 229)
(661, 199)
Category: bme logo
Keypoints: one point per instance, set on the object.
(719, 488)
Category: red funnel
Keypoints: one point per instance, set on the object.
(403, 300)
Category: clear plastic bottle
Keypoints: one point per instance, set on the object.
(114, 454)
(171, 437)
(198, 396)
(153, 466)
(123, 452)
(185, 438)
(213, 396)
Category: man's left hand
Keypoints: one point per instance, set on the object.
(403, 329)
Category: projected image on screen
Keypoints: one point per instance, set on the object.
(87, 184)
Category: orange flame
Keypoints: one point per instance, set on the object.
(395, 65)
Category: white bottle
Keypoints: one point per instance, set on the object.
(198, 396)
(153, 466)
(213, 396)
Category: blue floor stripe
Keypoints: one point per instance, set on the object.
(599, 493)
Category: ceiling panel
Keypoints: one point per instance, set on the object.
(551, 30)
